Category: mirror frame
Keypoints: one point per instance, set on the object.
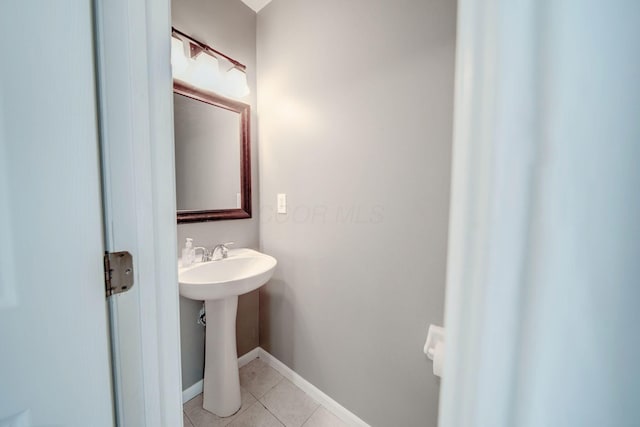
(244, 110)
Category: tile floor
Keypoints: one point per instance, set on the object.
(268, 400)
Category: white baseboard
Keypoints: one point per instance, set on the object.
(193, 391)
(246, 358)
(338, 410)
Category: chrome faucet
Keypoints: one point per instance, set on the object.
(206, 253)
(220, 251)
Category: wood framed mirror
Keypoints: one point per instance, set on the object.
(213, 155)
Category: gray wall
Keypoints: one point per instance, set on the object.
(230, 27)
(355, 100)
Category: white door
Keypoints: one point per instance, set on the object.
(544, 245)
(136, 121)
(54, 347)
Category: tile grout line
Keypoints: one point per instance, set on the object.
(314, 411)
(259, 400)
(274, 415)
(282, 378)
(265, 406)
(189, 418)
(281, 421)
(262, 403)
(233, 417)
(238, 414)
(325, 400)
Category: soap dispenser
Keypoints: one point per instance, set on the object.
(188, 254)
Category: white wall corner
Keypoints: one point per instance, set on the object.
(331, 405)
(337, 409)
(191, 392)
(256, 5)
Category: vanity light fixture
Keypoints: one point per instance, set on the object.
(201, 66)
(237, 82)
(206, 73)
(179, 61)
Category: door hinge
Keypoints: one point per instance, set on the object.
(118, 272)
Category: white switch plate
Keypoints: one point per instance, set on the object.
(282, 203)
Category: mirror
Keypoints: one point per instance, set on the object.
(212, 154)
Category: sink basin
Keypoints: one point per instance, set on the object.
(218, 284)
(244, 270)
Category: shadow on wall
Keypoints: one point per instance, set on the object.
(276, 301)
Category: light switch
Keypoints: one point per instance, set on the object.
(282, 203)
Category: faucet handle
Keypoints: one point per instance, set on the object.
(225, 248)
(205, 253)
(222, 249)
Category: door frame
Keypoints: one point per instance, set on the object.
(494, 166)
(136, 122)
(542, 267)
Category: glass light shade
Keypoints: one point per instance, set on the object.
(206, 72)
(179, 62)
(237, 83)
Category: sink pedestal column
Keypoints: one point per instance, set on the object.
(221, 377)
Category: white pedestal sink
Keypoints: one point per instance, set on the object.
(219, 283)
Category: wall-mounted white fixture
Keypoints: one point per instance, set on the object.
(206, 73)
(237, 81)
(200, 65)
(179, 61)
(434, 348)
